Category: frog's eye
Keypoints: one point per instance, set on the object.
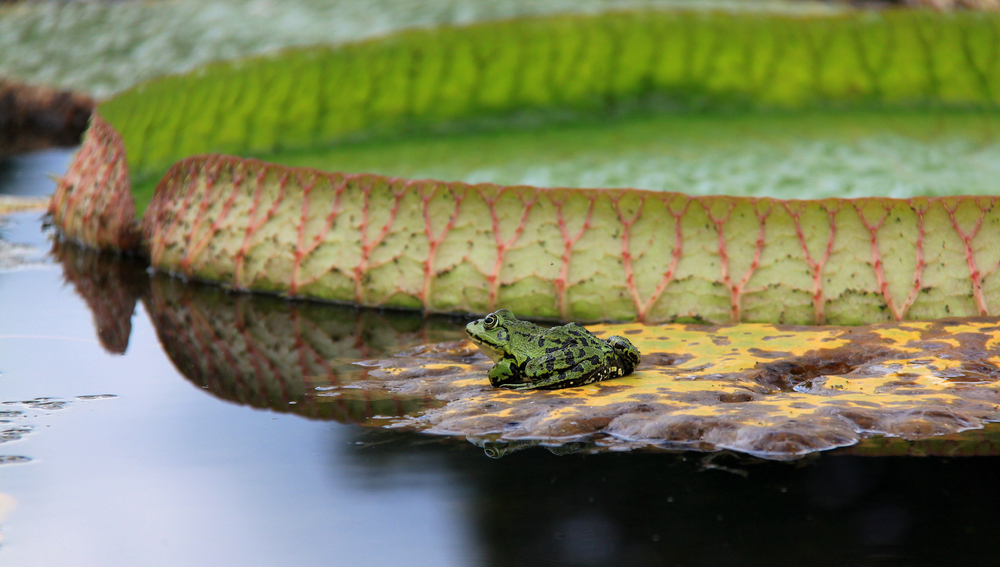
(490, 322)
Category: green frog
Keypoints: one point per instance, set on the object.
(529, 357)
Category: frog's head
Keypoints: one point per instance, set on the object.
(626, 352)
(492, 333)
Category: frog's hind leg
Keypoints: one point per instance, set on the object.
(594, 376)
(563, 372)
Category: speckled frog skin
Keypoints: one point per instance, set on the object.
(531, 357)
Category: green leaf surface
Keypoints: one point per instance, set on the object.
(786, 155)
(561, 69)
(102, 48)
(574, 254)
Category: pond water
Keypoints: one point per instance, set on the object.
(118, 448)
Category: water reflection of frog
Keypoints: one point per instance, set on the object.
(528, 356)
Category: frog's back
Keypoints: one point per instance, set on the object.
(527, 340)
(573, 334)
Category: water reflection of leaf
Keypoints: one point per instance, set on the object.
(258, 351)
(109, 284)
(290, 357)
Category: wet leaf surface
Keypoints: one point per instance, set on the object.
(770, 391)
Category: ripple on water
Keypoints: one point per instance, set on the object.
(14, 433)
(45, 404)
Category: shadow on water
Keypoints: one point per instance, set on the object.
(30, 174)
(536, 508)
(533, 507)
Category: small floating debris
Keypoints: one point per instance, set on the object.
(13, 204)
(46, 404)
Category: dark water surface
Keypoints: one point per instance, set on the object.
(169, 454)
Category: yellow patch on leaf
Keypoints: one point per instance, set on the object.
(772, 391)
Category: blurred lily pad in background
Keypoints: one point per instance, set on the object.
(101, 48)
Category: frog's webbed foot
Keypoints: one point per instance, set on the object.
(626, 352)
(517, 386)
(502, 374)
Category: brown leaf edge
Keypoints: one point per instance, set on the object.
(34, 117)
(92, 203)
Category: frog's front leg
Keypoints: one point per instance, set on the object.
(504, 372)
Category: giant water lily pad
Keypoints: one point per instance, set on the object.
(450, 246)
(776, 392)
(766, 390)
(104, 47)
(772, 391)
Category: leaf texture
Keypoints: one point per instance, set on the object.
(578, 254)
(574, 254)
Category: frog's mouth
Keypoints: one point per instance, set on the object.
(488, 349)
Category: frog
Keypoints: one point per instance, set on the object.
(528, 356)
